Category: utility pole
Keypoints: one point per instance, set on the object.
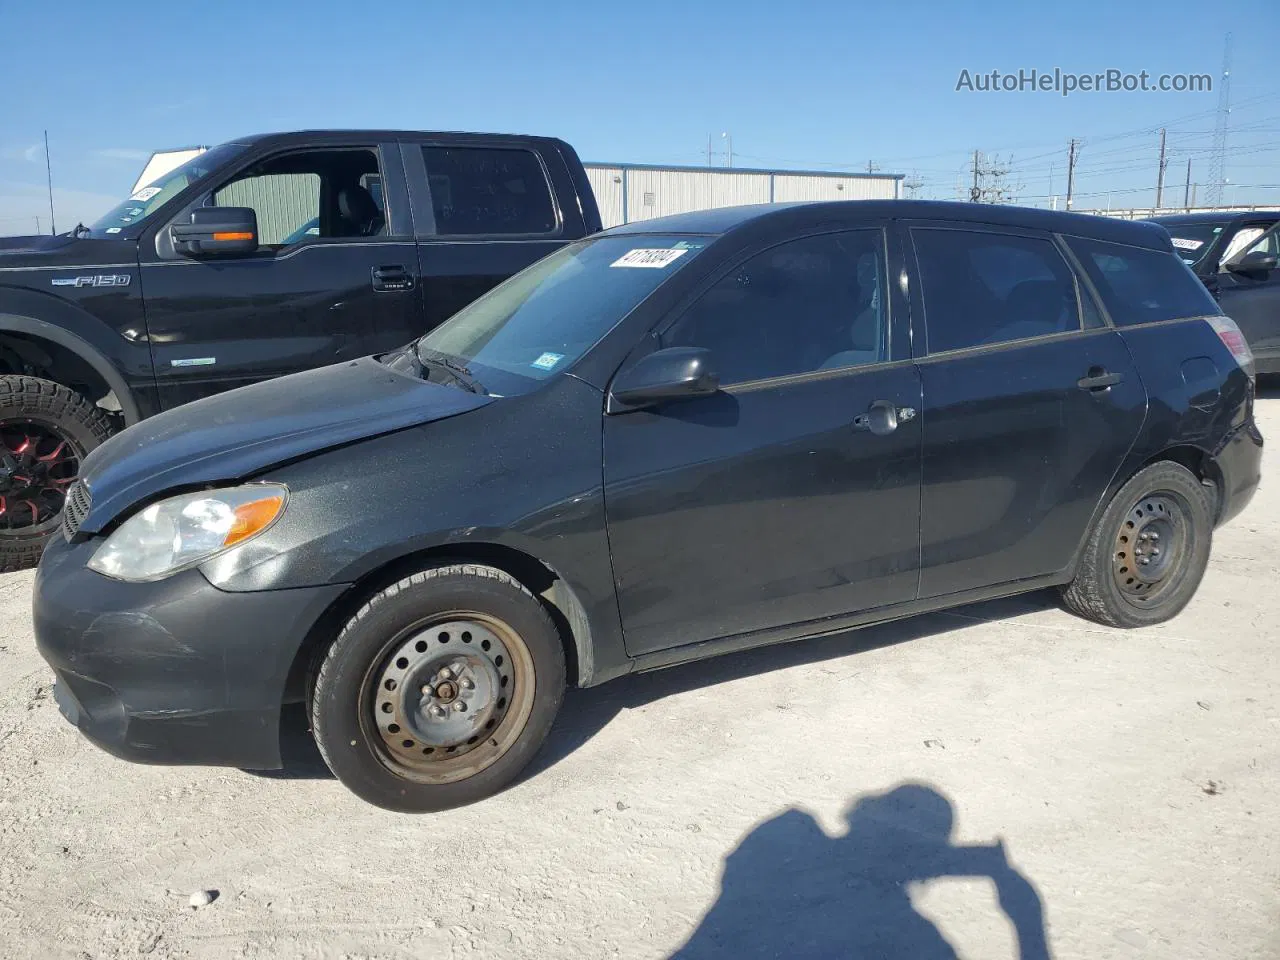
(1186, 193)
(48, 172)
(1218, 155)
(709, 149)
(728, 138)
(1071, 171)
(1160, 176)
(975, 192)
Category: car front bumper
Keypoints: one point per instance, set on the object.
(172, 672)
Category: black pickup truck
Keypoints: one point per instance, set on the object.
(260, 257)
(1236, 255)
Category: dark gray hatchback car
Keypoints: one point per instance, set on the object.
(672, 440)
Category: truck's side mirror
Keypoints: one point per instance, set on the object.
(215, 231)
(1254, 263)
(675, 373)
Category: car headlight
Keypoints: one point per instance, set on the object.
(180, 532)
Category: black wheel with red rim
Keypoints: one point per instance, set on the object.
(38, 462)
(46, 430)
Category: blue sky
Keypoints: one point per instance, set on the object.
(801, 84)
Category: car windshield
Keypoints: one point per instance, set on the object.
(1191, 241)
(161, 190)
(543, 319)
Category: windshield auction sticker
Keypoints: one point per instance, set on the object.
(654, 258)
(1185, 243)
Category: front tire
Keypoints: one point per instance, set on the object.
(440, 690)
(46, 429)
(1147, 553)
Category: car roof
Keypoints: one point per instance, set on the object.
(1220, 216)
(723, 220)
(380, 135)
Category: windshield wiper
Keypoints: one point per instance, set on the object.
(79, 229)
(455, 371)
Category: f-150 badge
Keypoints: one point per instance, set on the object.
(95, 280)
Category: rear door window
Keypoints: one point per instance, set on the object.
(982, 288)
(488, 191)
(1139, 285)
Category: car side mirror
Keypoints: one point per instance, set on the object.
(215, 231)
(674, 373)
(1257, 262)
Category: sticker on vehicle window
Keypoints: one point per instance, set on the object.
(547, 361)
(114, 229)
(1186, 243)
(654, 258)
(145, 194)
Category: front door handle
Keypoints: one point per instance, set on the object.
(882, 418)
(392, 278)
(1099, 380)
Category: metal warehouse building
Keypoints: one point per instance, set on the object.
(637, 191)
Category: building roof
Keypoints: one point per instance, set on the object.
(700, 168)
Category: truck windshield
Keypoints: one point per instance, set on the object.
(544, 318)
(161, 191)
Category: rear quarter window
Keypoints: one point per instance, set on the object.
(1138, 285)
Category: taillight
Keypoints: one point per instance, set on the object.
(1233, 340)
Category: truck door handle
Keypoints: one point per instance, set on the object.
(1099, 380)
(882, 418)
(392, 279)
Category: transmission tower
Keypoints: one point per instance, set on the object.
(1218, 157)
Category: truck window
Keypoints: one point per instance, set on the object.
(320, 193)
(484, 190)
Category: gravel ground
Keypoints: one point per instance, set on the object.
(959, 782)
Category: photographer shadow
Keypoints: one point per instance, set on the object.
(790, 890)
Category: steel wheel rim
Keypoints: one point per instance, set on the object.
(1150, 547)
(38, 463)
(449, 697)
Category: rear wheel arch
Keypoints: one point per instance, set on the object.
(48, 351)
(1199, 462)
(559, 599)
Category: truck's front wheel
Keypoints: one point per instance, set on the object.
(45, 431)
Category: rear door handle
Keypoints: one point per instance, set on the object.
(1099, 380)
(883, 417)
(392, 279)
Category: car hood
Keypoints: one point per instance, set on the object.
(235, 435)
(32, 246)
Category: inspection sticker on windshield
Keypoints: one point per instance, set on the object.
(145, 194)
(547, 361)
(655, 258)
(1183, 243)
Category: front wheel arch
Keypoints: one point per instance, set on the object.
(562, 604)
(53, 335)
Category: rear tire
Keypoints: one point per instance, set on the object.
(1148, 551)
(35, 417)
(440, 690)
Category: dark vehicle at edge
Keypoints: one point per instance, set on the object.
(261, 257)
(1236, 257)
(675, 439)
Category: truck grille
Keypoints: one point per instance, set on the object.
(79, 500)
